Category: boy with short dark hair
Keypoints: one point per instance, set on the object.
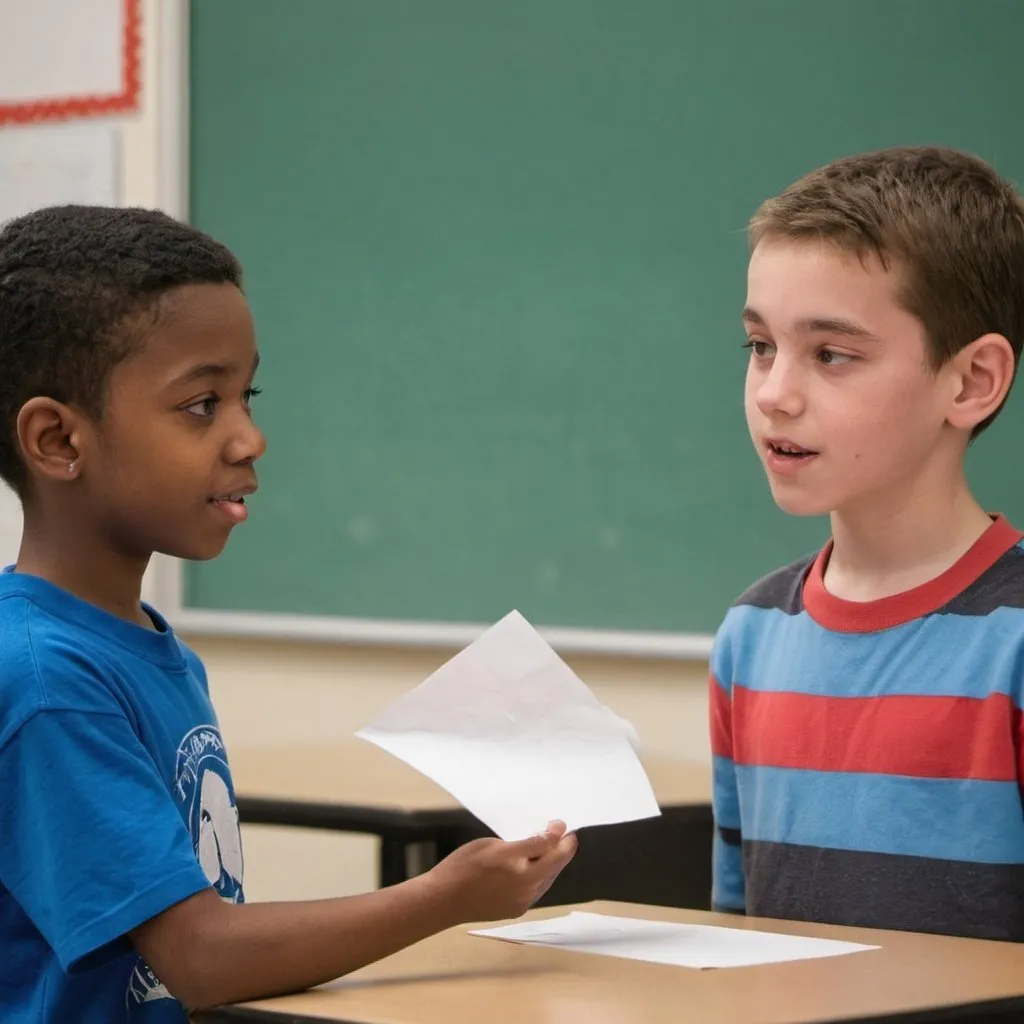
(127, 356)
(866, 702)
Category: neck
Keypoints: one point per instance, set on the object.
(84, 566)
(889, 545)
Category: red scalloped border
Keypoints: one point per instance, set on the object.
(91, 106)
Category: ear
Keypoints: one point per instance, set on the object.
(983, 373)
(49, 433)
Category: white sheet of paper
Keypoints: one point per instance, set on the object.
(517, 738)
(664, 942)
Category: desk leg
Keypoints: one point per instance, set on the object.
(400, 861)
(392, 862)
(420, 857)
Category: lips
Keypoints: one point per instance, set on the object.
(786, 448)
(230, 503)
(237, 494)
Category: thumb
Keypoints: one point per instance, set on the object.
(540, 844)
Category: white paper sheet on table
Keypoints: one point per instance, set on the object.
(517, 738)
(665, 942)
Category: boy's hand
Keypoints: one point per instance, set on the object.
(491, 880)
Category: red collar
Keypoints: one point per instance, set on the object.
(844, 616)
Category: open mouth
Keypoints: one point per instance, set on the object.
(786, 450)
(232, 506)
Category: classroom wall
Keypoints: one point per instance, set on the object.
(273, 692)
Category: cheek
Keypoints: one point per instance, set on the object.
(148, 478)
(891, 424)
(750, 383)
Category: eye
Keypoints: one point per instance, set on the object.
(250, 393)
(204, 408)
(759, 349)
(829, 357)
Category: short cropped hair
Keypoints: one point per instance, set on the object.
(73, 282)
(943, 220)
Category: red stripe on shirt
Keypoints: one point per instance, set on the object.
(720, 710)
(920, 736)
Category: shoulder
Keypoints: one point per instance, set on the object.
(999, 587)
(781, 590)
(21, 690)
(45, 664)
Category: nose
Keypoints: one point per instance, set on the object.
(247, 443)
(781, 389)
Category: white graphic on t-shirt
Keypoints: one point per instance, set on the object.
(144, 987)
(220, 843)
(202, 785)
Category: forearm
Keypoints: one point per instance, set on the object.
(208, 953)
(262, 949)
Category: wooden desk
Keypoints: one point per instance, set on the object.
(456, 977)
(356, 787)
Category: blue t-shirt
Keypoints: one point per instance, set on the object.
(116, 803)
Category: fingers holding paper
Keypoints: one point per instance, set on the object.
(561, 848)
(491, 880)
(540, 844)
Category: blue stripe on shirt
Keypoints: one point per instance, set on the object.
(943, 655)
(954, 819)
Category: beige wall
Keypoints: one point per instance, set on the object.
(273, 692)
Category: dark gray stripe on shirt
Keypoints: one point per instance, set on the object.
(1002, 586)
(879, 890)
(782, 589)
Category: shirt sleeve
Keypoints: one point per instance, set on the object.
(728, 889)
(91, 842)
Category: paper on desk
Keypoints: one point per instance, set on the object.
(517, 738)
(665, 942)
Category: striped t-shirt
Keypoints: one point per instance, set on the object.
(868, 756)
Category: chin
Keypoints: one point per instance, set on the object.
(794, 503)
(207, 554)
(197, 552)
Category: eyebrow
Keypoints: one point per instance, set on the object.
(818, 325)
(204, 370)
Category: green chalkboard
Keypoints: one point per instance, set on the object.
(496, 256)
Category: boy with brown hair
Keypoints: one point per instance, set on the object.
(866, 701)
